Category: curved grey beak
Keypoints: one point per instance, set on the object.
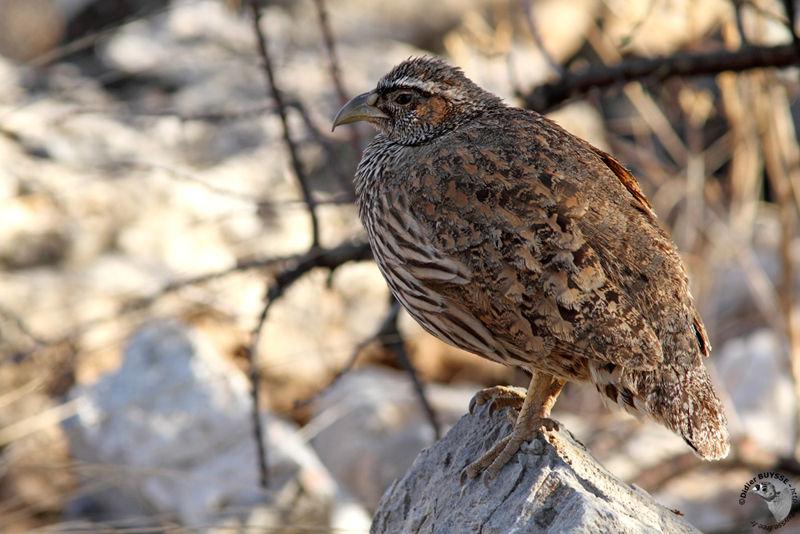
(360, 108)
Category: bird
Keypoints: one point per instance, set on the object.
(504, 235)
(779, 503)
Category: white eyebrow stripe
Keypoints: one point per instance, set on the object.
(428, 87)
(412, 82)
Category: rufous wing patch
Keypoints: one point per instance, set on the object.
(701, 335)
(628, 180)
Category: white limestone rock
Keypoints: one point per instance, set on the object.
(540, 490)
(172, 426)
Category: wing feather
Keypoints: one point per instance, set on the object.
(515, 227)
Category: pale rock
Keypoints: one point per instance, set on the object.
(764, 26)
(172, 426)
(370, 426)
(753, 371)
(541, 489)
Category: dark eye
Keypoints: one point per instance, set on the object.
(403, 98)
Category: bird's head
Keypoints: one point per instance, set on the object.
(765, 490)
(418, 100)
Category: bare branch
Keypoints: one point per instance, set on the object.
(273, 90)
(316, 257)
(241, 265)
(330, 49)
(134, 305)
(91, 39)
(547, 96)
(213, 116)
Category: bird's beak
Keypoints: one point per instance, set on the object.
(360, 108)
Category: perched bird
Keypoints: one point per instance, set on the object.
(505, 235)
(779, 503)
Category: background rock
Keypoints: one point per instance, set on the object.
(370, 426)
(174, 424)
(753, 370)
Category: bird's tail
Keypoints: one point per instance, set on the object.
(681, 399)
(684, 401)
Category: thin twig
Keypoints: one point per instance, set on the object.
(393, 341)
(273, 90)
(316, 257)
(351, 362)
(137, 304)
(330, 49)
(336, 79)
(779, 175)
(186, 176)
(317, 134)
(791, 14)
(390, 338)
(738, 7)
(90, 39)
(547, 96)
(8, 315)
(213, 116)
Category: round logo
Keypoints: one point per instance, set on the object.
(775, 497)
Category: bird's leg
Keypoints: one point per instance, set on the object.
(533, 416)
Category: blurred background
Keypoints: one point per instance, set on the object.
(148, 201)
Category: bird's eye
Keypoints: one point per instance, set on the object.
(403, 98)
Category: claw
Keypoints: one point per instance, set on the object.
(498, 397)
(550, 424)
(493, 461)
(532, 410)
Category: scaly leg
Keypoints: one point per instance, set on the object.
(533, 416)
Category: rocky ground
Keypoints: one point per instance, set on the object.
(150, 153)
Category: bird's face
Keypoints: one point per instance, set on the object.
(418, 100)
(765, 490)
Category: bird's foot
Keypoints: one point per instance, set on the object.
(498, 456)
(498, 397)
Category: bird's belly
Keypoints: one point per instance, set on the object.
(446, 319)
(440, 293)
(437, 315)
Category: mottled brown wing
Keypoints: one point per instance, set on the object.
(640, 202)
(512, 219)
